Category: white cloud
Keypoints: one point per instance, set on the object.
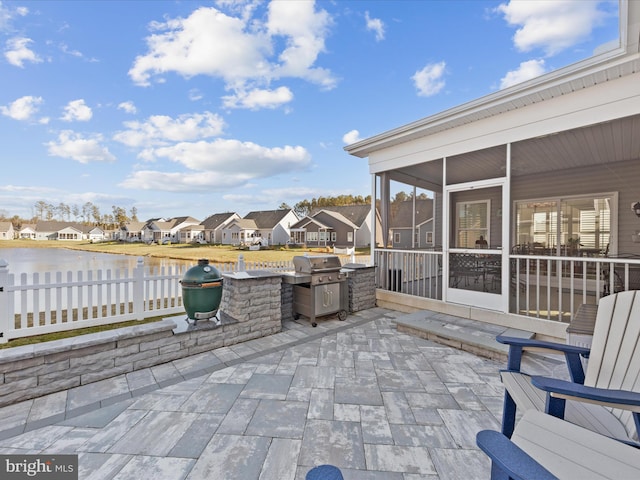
(17, 52)
(429, 81)
(219, 165)
(240, 50)
(258, 98)
(229, 156)
(182, 181)
(74, 53)
(304, 30)
(160, 130)
(7, 14)
(77, 110)
(527, 70)
(375, 25)
(128, 107)
(350, 137)
(552, 26)
(24, 108)
(76, 147)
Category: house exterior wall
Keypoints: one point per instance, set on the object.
(7, 235)
(28, 233)
(281, 232)
(620, 178)
(341, 230)
(401, 238)
(216, 235)
(422, 235)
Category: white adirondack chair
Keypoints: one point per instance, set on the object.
(544, 447)
(612, 377)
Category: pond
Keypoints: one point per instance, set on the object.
(50, 260)
(31, 260)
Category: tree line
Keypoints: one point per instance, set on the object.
(305, 207)
(90, 214)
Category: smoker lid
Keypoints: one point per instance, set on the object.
(316, 263)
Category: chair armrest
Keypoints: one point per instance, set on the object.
(623, 399)
(528, 343)
(509, 458)
(572, 353)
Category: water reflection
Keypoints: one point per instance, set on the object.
(30, 260)
(27, 261)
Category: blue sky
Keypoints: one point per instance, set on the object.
(193, 108)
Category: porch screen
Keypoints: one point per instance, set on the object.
(472, 222)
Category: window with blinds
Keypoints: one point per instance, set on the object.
(472, 222)
(583, 223)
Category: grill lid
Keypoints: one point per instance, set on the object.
(316, 263)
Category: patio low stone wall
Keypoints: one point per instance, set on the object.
(32, 371)
(250, 309)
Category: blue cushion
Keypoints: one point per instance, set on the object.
(324, 472)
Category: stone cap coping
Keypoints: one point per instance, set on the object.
(24, 352)
(249, 274)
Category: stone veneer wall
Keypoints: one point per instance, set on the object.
(362, 287)
(286, 302)
(253, 299)
(250, 309)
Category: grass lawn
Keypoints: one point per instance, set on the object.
(214, 253)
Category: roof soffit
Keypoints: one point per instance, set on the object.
(593, 71)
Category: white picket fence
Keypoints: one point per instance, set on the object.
(50, 302)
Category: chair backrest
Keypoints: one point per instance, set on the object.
(614, 361)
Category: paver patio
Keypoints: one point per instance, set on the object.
(358, 394)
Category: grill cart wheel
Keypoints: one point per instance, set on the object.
(342, 315)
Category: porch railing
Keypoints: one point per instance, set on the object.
(47, 302)
(540, 286)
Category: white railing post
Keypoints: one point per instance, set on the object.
(241, 265)
(5, 315)
(139, 299)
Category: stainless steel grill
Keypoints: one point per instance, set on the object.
(321, 289)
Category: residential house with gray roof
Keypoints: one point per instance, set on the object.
(163, 231)
(131, 232)
(339, 226)
(411, 224)
(268, 227)
(213, 226)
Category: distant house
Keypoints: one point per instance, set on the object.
(411, 226)
(131, 232)
(27, 231)
(63, 231)
(93, 233)
(6, 231)
(340, 226)
(163, 231)
(268, 227)
(214, 226)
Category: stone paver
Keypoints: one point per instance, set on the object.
(377, 403)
